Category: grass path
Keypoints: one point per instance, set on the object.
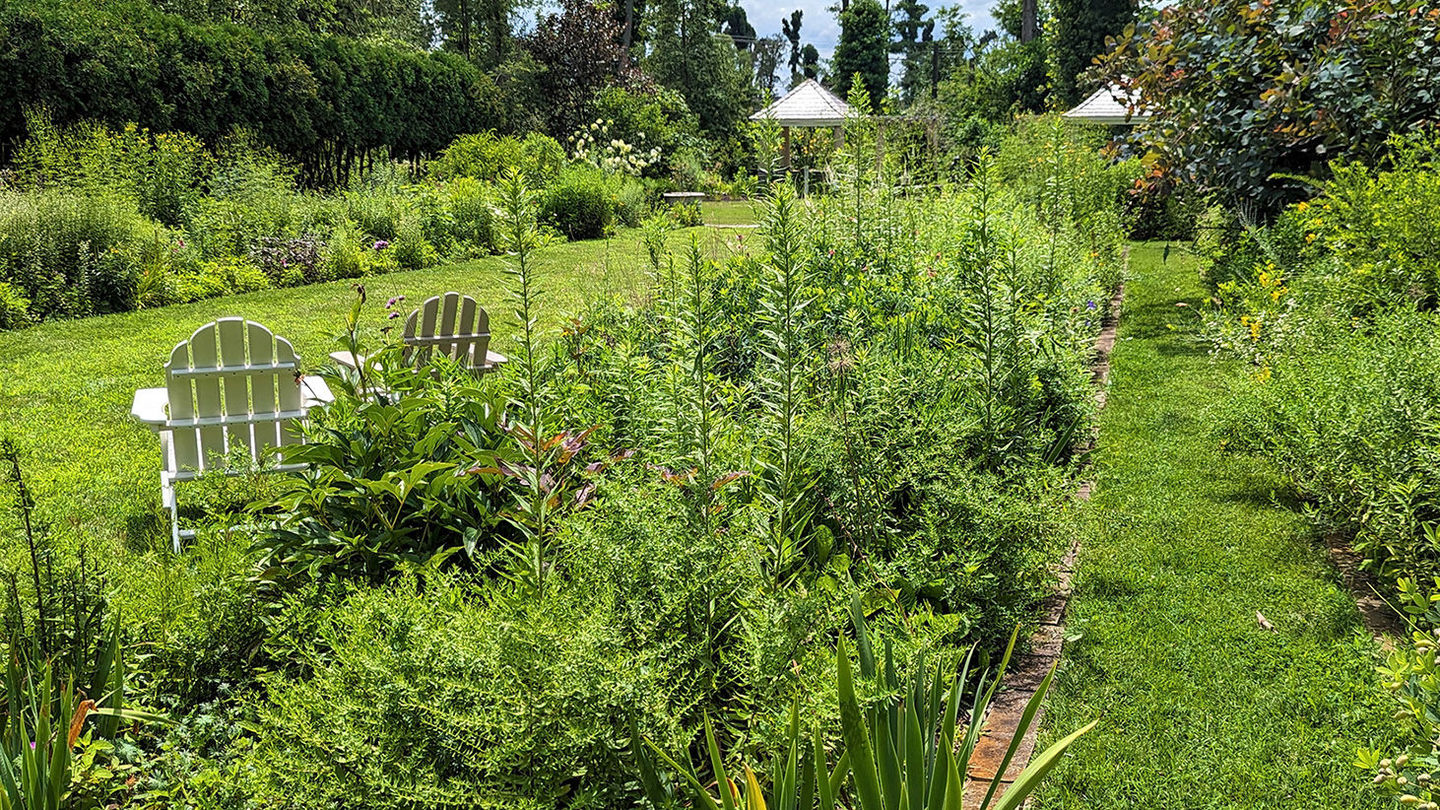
(66, 386)
(1200, 706)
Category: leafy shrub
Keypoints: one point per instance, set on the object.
(347, 255)
(14, 308)
(411, 250)
(216, 278)
(323, 101)
(631, 202)
(386, 489)
(486, 156)
(284, 259)
(475, 702)
(468, 216)
(579, 203)
(1334, 305)
(53, 245)
(655, 118)
(164, 173)
(1349, 416)
(1200, 68)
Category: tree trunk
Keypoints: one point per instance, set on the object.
(1029, 25)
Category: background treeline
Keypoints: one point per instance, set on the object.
(325, 101)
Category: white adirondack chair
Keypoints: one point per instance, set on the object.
(232, 384)
(450, 325)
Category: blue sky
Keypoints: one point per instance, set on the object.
(820, 26)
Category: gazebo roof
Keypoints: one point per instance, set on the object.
(1109, 105)
(809, 104)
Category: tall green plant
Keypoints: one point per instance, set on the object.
(520, 237)
(788, 351)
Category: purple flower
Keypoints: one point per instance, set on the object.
(392, 316)
(390, 304)
(1089, 304)
(381, 244)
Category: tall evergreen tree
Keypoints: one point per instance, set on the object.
(914, 41)
(687, 54)
(1081, 27)
(791, 29)
(478, 29)
(863, 49)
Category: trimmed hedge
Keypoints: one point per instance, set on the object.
(324, 101)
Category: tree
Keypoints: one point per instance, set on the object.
(809, 62)
(863, 50)
(735, 24)
(1081, 27)
(914, 41)
(767, 63)
(686, 54)
(1244, 97)
(791, 29)
(477, 29)
(581, 51)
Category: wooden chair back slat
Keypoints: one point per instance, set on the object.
(180, 393)
(235, 385)
(288, 385)
(236, 373)
(204, 353)
(263, 394)
(445, 325)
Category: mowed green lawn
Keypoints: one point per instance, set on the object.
(66, 386)
(1200, 707)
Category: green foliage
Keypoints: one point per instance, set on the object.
(655, 117)
(1081, 28)
(904, 750)
(1335, 305)
(579, 203)
(324, 101)
(1249, 99)
(385, 490)
(14, 308)
(475, 702)
(688, 56)
(863, 51)
(73, 255)
(487, 156)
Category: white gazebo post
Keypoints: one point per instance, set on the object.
(808, 106)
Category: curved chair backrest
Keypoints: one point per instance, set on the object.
(451, 325)
(232, 383)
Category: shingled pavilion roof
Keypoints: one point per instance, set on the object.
(1109, 105)
(808, 105)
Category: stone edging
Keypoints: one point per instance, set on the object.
(1028, 670)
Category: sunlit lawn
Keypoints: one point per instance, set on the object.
(66, 386)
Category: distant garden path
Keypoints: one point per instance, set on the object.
(1202, 707)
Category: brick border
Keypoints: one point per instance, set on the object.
(1028, 670)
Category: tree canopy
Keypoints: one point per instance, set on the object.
(1246, 97)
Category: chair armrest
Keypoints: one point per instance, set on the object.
(314, 391)
(151, 407)
(495, 359)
